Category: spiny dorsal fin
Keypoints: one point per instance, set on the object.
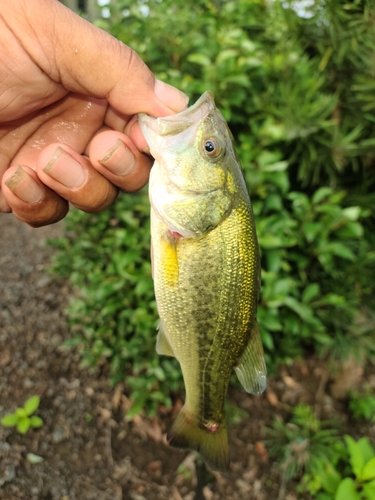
(251, 370)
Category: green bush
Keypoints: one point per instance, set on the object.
(303, 444)
(352, 477)
(327, 467)
(299, 96)
(362, 405)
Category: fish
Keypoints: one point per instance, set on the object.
(206, 270)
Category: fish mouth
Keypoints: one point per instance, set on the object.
(174, 124)
(174, 188)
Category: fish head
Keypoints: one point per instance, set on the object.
(191, 148)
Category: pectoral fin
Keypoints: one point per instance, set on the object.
(162, 344)
(251, 370)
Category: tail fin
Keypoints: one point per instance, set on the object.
(211, 444)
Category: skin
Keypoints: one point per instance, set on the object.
(69, 96)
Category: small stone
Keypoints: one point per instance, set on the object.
(7, 475)
(4, 446)
(44, 446)
(28, 384)
(243, 486)
(74, 384)
(59, 434)
(4, 357)
(43, 281)
(71, 395)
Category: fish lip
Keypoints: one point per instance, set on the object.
(182, 192)
(174, 124)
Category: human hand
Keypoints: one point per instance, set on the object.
(69, 96)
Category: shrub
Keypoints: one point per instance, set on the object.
(299, 96)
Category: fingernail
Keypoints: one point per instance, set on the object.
(24, 186)
(170, 96)
(65, 169)
(119, 160)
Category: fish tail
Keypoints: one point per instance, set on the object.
(210, 442)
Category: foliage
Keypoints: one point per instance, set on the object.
(353, 478)
(23, 417)
(310, 451)
(303, 443)
(299, 96)
(362, 405)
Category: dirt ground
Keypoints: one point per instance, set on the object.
(88, 449)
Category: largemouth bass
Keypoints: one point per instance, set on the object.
(206, 270)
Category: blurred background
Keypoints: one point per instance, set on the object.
(296, 82)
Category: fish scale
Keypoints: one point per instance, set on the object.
(206, 270)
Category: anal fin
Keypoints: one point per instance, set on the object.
(251, 370)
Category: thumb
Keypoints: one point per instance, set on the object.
(89, 61)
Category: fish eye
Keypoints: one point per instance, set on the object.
(212, 147)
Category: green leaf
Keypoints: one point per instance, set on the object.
(300, 309)
(21, 413)
(270, 241)
(31, 405)
(368, 490)
(367, 450)
(368, 471)
(273, 258)
(242, 80)
(320, 194)
(356, 456)
(267, 339)
(200, 59)
(347, 491)
(226, 54)
(10, 420)
(279, 166)
(351, 230)
(36, 421)
(352, 213)
(310, 292)
(311, 230)
(341, 250)
(23, 425)
(330, 478)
